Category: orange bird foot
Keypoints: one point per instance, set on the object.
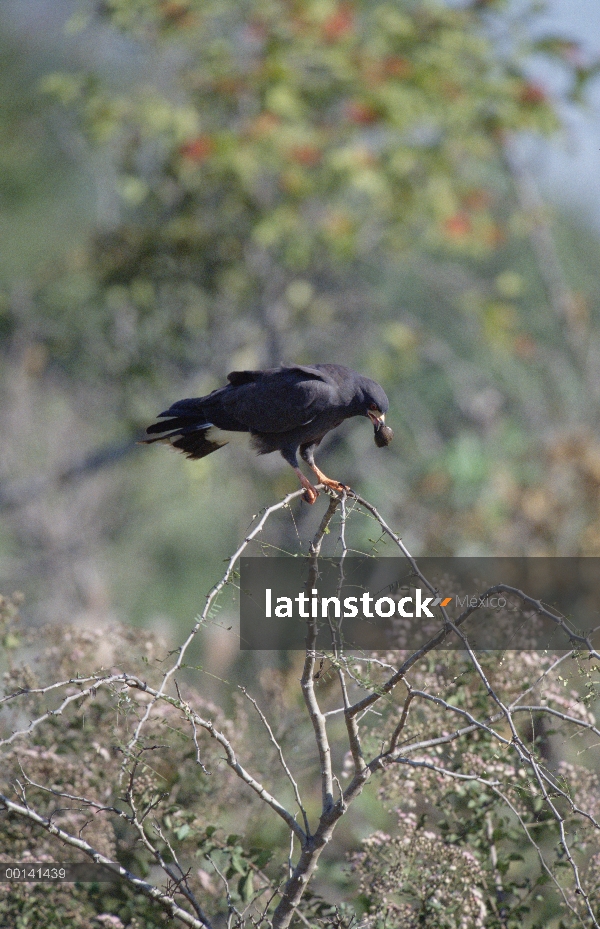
(328, 482)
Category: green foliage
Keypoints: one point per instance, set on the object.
(288, 140)
(42, 201)
(324, 181)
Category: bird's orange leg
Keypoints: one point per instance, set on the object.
(310, 493)
(307, 455)
(323, 479)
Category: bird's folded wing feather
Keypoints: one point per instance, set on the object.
(280, 401)
(237, 378)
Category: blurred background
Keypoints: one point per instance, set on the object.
(189, 187)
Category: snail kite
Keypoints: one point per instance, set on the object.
(283, 409)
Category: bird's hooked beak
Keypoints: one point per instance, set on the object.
(377, 418)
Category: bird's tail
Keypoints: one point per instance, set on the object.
(185, 427)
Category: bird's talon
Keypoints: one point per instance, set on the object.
(310, 497)
(337, 487)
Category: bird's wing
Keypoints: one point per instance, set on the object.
(280, 400)
(237, 378)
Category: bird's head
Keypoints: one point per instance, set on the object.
(375, 405)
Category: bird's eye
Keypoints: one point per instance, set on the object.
(373, 406)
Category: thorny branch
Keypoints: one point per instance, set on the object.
(497, 723)
(166, 900)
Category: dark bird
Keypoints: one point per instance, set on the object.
(282, 409)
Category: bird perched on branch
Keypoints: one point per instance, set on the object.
(287, 409)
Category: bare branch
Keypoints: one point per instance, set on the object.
(230, 755)
(282, 760)
(164, 899)
(72, 698)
